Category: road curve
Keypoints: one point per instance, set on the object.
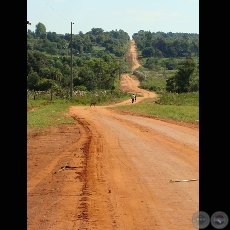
(131, 166)
(143, 173)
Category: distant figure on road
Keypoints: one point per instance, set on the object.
(133, 97)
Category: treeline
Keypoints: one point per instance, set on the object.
(170, 52)
(167, 45)
(113, 42)
(98, 56)
(44, 72)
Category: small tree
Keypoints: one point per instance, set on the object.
(45, 84)
(170, 85)
(32, 80)
(180, 83)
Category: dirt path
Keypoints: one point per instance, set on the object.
(113, 171)
(132, 56)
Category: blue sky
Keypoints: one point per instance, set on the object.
(131, 16)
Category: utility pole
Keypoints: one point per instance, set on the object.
(100, 73)
(119, 69)
(71, 63)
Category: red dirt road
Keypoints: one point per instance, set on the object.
(113, 171)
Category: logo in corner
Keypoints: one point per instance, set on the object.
(219, 220)
(200, 220)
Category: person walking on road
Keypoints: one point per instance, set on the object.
(133, 97)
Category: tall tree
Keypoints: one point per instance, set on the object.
(40, 30)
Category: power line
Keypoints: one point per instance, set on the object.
(55, 10)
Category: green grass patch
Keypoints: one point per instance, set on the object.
(187, 99)
(45, 113)
(153, 80)
(182, 113)
(183, 107)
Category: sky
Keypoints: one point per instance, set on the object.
(131, 16)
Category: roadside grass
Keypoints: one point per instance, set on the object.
(153, 80)
(183, 99)
(43, 113)
(182, 107)
(81, 98)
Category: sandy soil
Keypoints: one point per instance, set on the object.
(113, 170)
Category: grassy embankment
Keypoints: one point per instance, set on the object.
(181, 107)
(184, 107)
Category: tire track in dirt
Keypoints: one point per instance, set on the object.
(124, 163)
(120, 171)
(101, 209)
(54, 190)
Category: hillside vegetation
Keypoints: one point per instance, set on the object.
(169, 67)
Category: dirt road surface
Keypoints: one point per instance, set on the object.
(113, 171)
